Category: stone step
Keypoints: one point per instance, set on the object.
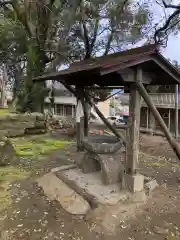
(56, 189)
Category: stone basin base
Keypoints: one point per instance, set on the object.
(110, 205)
(90, 186)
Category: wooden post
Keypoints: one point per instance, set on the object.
(72, 109)
(147, 119)
(169, 119)
(86, 120)
(177, 112)
(158, 118)
(86, 117)
(79, 120)
(132, 149)
(152, 122)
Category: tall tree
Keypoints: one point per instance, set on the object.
(54, 32)
(37, 21)
(101, 27)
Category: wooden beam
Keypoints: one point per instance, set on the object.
(166, 69)
(169, 119)
(128, 75)
(86, 117)
(119, 135)
(147, 118)
(88, 99)
(132, 149)
(158, 118)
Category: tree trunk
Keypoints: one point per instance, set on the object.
(35, 93)
(4, 80)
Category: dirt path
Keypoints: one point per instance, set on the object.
(33, 217)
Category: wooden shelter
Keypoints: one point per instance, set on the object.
(134, 69)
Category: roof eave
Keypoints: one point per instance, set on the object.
(61, 75)
(166, 66)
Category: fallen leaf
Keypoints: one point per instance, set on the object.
(171, 237)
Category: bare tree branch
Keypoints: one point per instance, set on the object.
(109, 42)
(95, 34)
(86, 42)
(5, 3)
(166, 25)
(168, 20)
(107, 48)
(170, 5)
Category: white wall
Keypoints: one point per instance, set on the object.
(63, 100)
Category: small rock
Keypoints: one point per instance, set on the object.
(151, 185)
(20, 225)
(147, 179)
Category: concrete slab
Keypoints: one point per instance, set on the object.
(135, 183)
(91, 188)
(55, 189)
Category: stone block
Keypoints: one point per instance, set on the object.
(7, 152)
(90, 163)
(15, 132)
(56, 189)
(134, 183)
(150, 186)
(111, 169)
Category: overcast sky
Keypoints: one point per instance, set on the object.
(173, 49)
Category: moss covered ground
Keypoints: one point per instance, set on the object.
(35, 148)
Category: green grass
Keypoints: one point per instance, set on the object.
(37, 147)
(10, 174)
(4, 112)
